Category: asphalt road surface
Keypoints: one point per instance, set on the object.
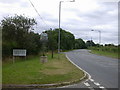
(103, 70)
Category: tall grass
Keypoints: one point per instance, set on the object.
(111, 51)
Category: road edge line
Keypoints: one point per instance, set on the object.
(86, 73)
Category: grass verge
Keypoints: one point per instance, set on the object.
(104, 53)
(32, 71)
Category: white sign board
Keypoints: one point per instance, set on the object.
(19, 52)
(44, 37)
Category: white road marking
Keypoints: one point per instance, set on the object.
(87, 84)
(97, 84)
(101, 87)
(89, 76)
(86, 73)
(92, 80)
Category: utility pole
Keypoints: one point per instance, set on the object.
(59, 26)
(59, 23)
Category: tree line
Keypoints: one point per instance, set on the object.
(17, 33)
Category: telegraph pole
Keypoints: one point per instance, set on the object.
(59, 26)
(59, 23)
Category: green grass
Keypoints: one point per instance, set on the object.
(105, 53)
(32, 71)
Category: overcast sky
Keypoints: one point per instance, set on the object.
(78, 17)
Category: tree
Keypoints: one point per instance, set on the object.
(52, 44)
(79, 44)
(67, 39)
(16, 34)
(109, 45)
(90, 43)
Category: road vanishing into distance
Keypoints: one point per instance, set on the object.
(103, 70)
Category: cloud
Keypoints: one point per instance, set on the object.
(103, 18)
(77, 17)
(9, 1)
(21, 3)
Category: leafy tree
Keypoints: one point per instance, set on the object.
(109, 45)
(79, 44)
(90, 43)
(52, 43)
(16, 34)
(98, 45)
(67, 39)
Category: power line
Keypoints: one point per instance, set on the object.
(38, 13)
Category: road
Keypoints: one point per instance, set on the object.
(103, 70)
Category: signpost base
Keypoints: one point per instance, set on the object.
(43, 59)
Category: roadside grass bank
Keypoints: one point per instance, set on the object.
(105, 51)
(32, 71)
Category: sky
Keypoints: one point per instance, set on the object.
(79, 17)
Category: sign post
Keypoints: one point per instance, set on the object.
(43, 39)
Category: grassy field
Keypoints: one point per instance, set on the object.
(32, 71)
(103, 53)
(110, 51)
